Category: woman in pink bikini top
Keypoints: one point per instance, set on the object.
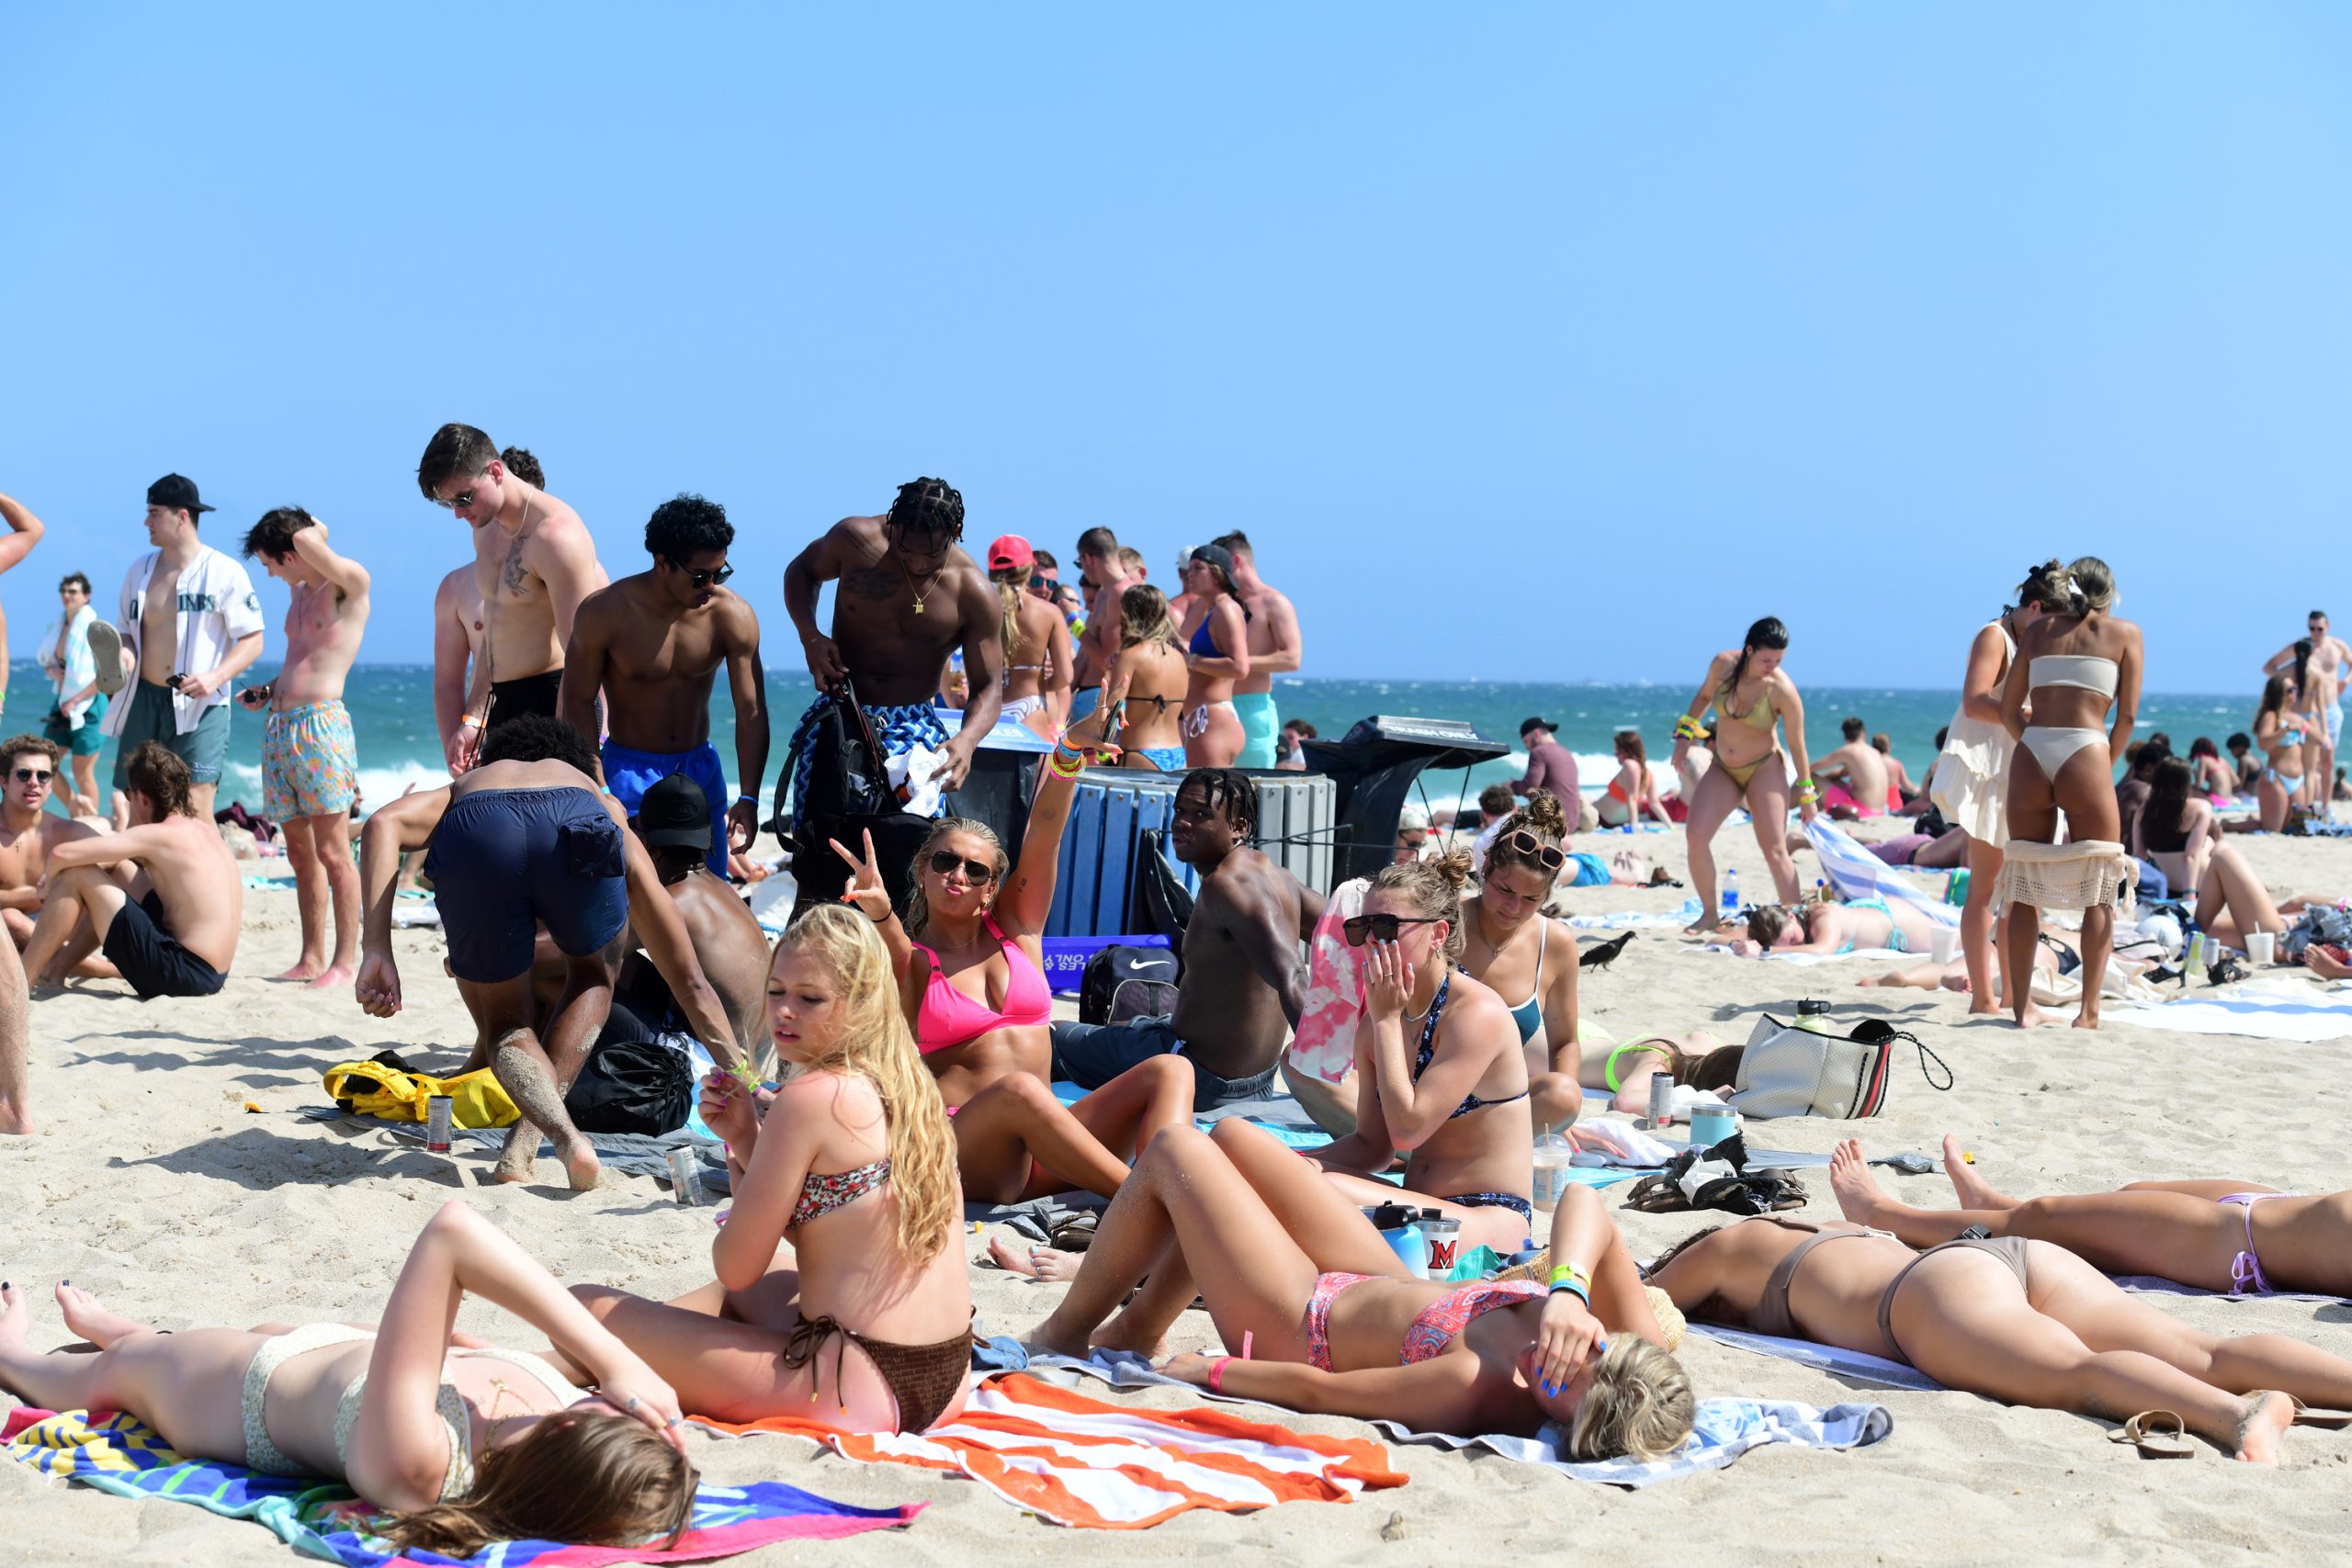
(972, 979)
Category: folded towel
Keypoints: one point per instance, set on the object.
(1079, 1462)
(121, 1455)
(1725, 1429)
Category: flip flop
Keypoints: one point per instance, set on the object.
(2146, 1432)
(2314, 1415)
(105, 648)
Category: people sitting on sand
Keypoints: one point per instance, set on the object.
(76, 715)
(522, 840)
(29, 778)
(2281, 730)
(970, 970)
(1216, 631)
(1632, 793)
(2230, 1237)
(840, 1295)
(1147, 684)
(1295, 1275)
(163, 900)
(1245, 978)
(1036, 641)
(461, 1444)
(2175, 831)
(1853, 778)
(2075, 667)
(2012, 1319)
(1903, 795)
(1928, 852)
(1441, 1074)
(1752, 698)
(2241, 758)
(2214, 777)
(1515, 948)
(1819, 926)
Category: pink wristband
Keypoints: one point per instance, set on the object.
(1216, 1375)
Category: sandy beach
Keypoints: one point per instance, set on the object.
(172, 1177)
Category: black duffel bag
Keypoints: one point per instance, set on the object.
(632, 1086)
(1120, 984)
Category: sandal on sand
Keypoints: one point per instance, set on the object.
(2314, 1415)
(106, 649)
(2146, 1431)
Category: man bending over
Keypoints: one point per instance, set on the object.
(162, 899)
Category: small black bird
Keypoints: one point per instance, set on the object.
(1606, 954)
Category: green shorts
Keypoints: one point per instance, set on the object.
(1261, 728)
(203, 749)
(83, 739)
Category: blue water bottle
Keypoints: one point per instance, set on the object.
(1731, 892)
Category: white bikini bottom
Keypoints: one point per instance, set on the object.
(2052, 746)
(1196, 722)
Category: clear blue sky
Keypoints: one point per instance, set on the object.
(1553, 342)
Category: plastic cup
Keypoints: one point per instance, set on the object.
(2262, 947)
(1943, 943)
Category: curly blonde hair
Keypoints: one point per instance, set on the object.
(874, 1041)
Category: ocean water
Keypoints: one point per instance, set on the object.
(392, 713)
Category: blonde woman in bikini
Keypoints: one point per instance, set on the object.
(1147, 683)
(2074, 670)
(1752, 696)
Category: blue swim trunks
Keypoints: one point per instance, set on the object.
(1261, 727)
(505, 861)
(629, 774)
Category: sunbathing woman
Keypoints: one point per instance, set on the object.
(846, 1217)
(1818, 927)
(1216, 652)
(1621, 1073)
(1440, 1072)
(2175, 833)
(462, 1446)
(2233, 1237)
(1295, 1275)
(2011, 1319)
(2071, 667)
(1147, 684)
(1632, 794)
(1512, 947)
(971, 977)
(1752, 698)
(2279, 730)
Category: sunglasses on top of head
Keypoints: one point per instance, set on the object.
(1522, 842)
(944, 861)
(701, 580)
(1381, 928)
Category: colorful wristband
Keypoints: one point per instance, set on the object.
(1216, 1373)
(1569, 1277)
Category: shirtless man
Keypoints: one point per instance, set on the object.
(1099, 564)
(509, 613)
(192, 623)
(309, 763)
(170, 928)
(1245, 973)
(1275, 648)
(673, 823)
(909, 596)
(1857, 768)
(651, 644)
(24, 532)
(29, 830)
(2330, 667)
(522, 840)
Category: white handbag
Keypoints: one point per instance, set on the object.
(1787, 1071)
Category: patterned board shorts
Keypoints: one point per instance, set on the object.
(310, 764)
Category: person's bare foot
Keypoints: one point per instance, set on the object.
(1052, 1339)
(2087, 1021)
(15, 1120)
(86, 1316)
(2269, 1413)
(16, 1318)
(2032, 1018)
(308, 969)
(516, 1162)
(1973, 1190)
(1982, 1007)
(1032, 1260)
(332, 978)
(1114, 1336)
(581, 1167)
(1851, 1183)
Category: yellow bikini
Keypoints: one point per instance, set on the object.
(1761, 714)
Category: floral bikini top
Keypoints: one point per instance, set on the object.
(821, 1194)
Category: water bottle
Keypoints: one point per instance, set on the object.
(1731, 892)
(1554, 1157)
(2195, 965)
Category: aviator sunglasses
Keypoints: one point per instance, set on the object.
(1381, 928)
(463, 498)
(944, 861)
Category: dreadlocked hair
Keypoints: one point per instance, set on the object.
(1011, 587)
(1229, 794)
(1542, 815)
(918, 907)
(1434, 885)
(1768, 633)
(929, 503)
(874, 1041)
(581, 1476)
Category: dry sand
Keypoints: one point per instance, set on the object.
(154, 1184)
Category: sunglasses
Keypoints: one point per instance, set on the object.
(702, 579)
(33, 775)
(1520, 841)
(944, 861)
(1043, 581)
(451, 503)
(1381, 928)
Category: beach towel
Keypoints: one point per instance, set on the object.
(1858, 873)
(631, 1153)
(1822, 1358)
(1639, 920)
(1807, 958)
(1325, 1046)
(1724, 1428)
(1079, 1462)
(123, 1456)
(2260, 1010)
(2157, 1285)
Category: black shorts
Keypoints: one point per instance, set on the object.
(510, 700)
(506, 861)
(151, 958)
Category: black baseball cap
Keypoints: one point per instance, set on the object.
(674, 812)
(1526, 724)
(177, 492)
(1216, 556)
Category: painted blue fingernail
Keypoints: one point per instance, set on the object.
(1602, 1345)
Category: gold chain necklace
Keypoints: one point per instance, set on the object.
(908, 573)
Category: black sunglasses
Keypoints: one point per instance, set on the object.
(944, 861)
(1381, 928)
(702, 579)
(30, 775)
(1520, 841)
(463, 498)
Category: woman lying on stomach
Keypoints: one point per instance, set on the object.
(463, 1446)
(1294, 1274)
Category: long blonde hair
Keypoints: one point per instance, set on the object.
(874, 1040)
(1011, 586)
(1641, 1404)
(1143, 616)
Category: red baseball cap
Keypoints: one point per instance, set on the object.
(1009, 550)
